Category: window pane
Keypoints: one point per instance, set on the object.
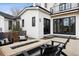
(45, 5)
(64, 25)
(72, 24)
(23, 23)
(68, 6)
(66, 21)
(10, 25)
(33, 21)
(54, 25)
(62, 6)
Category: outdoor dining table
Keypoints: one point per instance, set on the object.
(19, 47)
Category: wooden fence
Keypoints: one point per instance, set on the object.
(13, 35)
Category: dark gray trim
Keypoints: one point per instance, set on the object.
(6, 15)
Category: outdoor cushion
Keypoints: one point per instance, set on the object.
(6, 40)
(2, 42)
(1, 36)
(22, 38)
(22, 33)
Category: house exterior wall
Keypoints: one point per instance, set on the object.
(38, 30)
(1, 23)
(77, 23)
(27, 16)
(41, 17)
(4, 24)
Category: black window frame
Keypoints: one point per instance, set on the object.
(68, 6)
(22, 22)
(45, 5)
(33, 21)
(71, 26)
(63, 5)
(10, 25)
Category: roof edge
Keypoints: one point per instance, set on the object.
(33, 7)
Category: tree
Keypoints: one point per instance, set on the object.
(16, 27)
(15, 11)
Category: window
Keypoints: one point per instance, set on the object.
(68, 6)
(64, 25)
(23, 23)
(45, 5)
(66, 21)
(62, 6)
(51, 10)
(65, 6)
(33, 21)
(10, 25)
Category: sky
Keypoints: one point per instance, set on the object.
(6, 7)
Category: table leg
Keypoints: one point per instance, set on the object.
(41, 50)
(52, 43)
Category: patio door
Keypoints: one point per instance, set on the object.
(46, 26)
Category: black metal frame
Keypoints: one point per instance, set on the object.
(55, 22)
(47, 26)
(55, 50)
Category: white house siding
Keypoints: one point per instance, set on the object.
(38, 30)
(1, 23)
(77, 26)
(6, 25)
(41, 17)
(77, 23)
(27, 16)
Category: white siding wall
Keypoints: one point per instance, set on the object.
(42, 15)
(27, 16)
(38, 30)
(74, 5)
(77, 26)
(4, 24)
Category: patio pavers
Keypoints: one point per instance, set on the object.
(72, 48)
